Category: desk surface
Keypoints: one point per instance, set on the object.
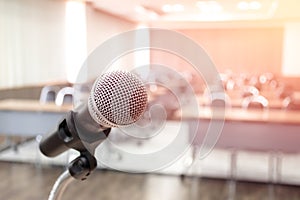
(262, 130)
(229, 114)
(237, 102)
(29, 117)
(244, 115)
(32, 105)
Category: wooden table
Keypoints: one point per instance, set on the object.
(237, 102)
(263, 130)
(244, 129)
(244, 115)
(29, 117)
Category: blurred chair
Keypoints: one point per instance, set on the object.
(233, 174)
(250, 91)
(48, 94)
(168, 101)
(255, 101)
(289, 103)
(274, 168)
(252, 80)
(230, 84)
(64, 96)
(220, 99)
(266, 78)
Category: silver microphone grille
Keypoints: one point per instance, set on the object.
(118, 98)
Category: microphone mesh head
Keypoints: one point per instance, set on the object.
(118, 98)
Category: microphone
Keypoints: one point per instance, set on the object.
(117, 99)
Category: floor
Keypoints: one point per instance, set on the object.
(22, 181)
(25, 174)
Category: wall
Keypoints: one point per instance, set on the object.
(101, 26)
(254, 50)
(291, 49)
(31, 42)
(33, 39)
(247, 50)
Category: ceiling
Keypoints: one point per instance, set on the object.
(205, 12)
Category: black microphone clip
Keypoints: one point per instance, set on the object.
(67, 137)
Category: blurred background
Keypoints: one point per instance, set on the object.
(254, 45)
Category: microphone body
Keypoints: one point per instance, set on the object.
(117, 99)
(67, 136)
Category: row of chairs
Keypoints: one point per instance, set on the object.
(257, 101)
(252, 101)
(56, 94)
(263, 81)
(261, 88)
(48, 94)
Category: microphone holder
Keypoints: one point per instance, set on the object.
(67, 137)
(80, 168)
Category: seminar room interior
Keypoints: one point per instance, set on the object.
(222, 79)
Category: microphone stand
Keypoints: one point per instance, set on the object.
(60, 185)
(80, 168)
